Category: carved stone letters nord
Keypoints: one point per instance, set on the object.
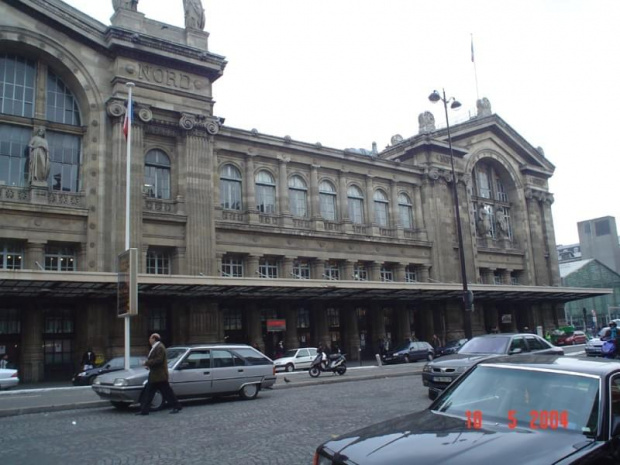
(164, 77)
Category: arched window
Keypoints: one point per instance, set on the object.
(356, 205)
(19, 77)
(298, 196)
(491, 202)
(157, 174)
(265, 192)
(381, 208)
(327, 201)
(230, 188)
(405, 210)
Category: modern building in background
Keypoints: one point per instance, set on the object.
(242, 236)
(598, 238)
(599, 310)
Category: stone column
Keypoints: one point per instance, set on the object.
(374, 271)
(180, 262)
(321, 329)
(290, 314)
(143, 253)
(506, 277)
(351, 333)
(399, 272)
(31, 370)
(378, 326)
(317, 269)
(249, 189)
(254, 330)
(287, 267)
(418, 213)
(313, 193)
(251, 265)
(218, 258)
(343, 202)
(206, 323)
(282, 198)
(93, 330)
(369, 203)
(549, 234)
(347, 270)
(200, 227)
(82, 257)
(393, 210)
(403, 322)
(423, 273)
(35, 253)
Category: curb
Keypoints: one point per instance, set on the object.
(292, 384)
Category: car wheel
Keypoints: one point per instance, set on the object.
(429, 357)
(120, 405)
(432, 395)
(249, 391)
(289, 367)
(406, 359)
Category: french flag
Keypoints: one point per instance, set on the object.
(128, 118)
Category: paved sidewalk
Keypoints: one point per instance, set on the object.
(57, 396)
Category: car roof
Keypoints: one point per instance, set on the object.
(214, 345)
(599, 367)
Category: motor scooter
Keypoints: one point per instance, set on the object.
(335, 363)
(608, 349)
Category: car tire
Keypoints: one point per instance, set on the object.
(120, 405)
(430, 357)
(406, 359)
(249, 391)
(289, 367)
(432, 395)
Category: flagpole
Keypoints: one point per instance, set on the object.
(475, 70)
(129, 117)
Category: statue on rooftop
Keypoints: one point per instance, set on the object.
(125, 5)
(194, 14)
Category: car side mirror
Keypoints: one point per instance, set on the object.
(107, 367)
(516, 351)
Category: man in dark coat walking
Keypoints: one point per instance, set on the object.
(157, 364)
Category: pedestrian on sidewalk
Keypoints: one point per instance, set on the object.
(4, 362)
(88, 359)
(157, 364)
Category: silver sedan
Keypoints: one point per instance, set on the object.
(196, 371)
(8, 378)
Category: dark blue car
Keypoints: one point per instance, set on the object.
(452, 347)
(409, 352)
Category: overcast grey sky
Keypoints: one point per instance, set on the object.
(349, 72)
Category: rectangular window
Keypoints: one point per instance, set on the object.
(333, 317)
(601, 228)
(497, 277)
(233, 320)
(65, 157)
(356, 210)
(17, 84)
(158, 261)
(60, 258)
(328, 206)
(410, 275)
(232, 267)
(484, 186)
(360, 273)
(332, 271)
(14, 155)
(387, 275)
(11, 255)
(10, 322)
(303, 318)
(268, 268)
(301, 269)
(158, 320)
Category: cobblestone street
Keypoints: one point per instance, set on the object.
(279, 427)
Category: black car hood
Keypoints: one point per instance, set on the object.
(434, 438)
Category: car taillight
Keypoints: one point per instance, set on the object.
(274, 370)
(14, 375)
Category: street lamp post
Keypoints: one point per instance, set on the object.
(467, 294)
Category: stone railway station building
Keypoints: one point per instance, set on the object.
(237, 231)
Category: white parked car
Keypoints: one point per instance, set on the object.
(8, 378)
(296, 359)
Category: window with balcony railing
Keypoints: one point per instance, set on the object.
(11, 255)
(60, 258)
(301, 269)
(387, 274)
(268, 268)
(232, 267)
(158, 261)
(410, 275)
(360, 272)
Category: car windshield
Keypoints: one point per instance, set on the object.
(485, 345)
(290, 353)
(401, 346)
(524, 398)
(173, 355)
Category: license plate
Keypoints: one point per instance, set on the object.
(442, 379)
(104, 390)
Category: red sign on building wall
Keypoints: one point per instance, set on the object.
(276, 325)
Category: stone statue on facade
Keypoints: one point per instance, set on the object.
(194, 14)
(502, 224)
(39, 158)
(125, 5)
(484, 107)
(426, 121)
(484, 222)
